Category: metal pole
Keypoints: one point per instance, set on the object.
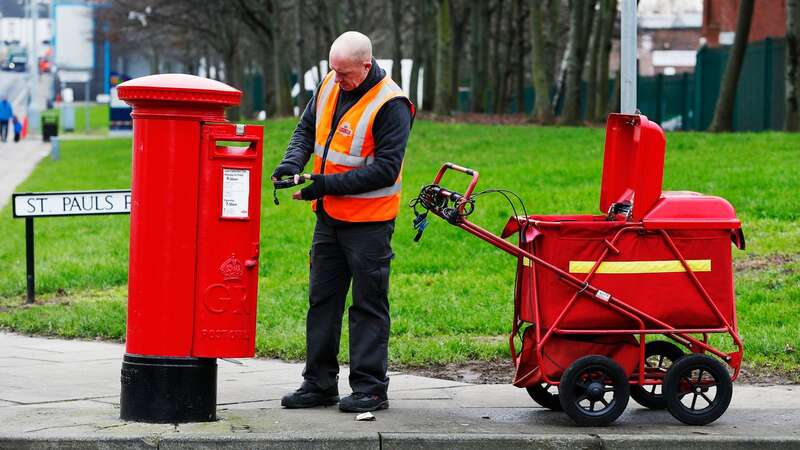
(628, 57)
(33, 70)
(86, 108)
(29, 260)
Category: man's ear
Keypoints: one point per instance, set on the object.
(368, 65)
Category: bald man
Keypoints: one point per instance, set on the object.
(356, 128)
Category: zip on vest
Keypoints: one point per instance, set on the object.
(333, 130)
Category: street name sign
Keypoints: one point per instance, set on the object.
(30, 205)
(71, 203)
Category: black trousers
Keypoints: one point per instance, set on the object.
(3, 130)
(359, 254)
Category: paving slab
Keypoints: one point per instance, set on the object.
(71, 400)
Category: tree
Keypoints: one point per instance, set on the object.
(300, 63)
(792, 121)
(396, 9)
(542, 74)
(481, 20)
(608, 10)
(723, 114)
(590, 69)
(443, 103)
(580, 19)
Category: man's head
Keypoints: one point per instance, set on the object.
(351, 59)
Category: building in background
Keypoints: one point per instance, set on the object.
(719, 21)
(669, 35)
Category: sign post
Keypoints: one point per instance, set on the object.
(30, 205)
(29, 260)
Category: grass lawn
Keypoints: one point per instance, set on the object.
(451, 294)
(98, 119)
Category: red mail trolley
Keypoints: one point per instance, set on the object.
(623, 304)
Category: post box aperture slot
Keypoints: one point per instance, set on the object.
(235, 202)
(233, 148)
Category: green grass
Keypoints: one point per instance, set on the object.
(451, 294)
(98, 119)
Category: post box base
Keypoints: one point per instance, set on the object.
(158, 389)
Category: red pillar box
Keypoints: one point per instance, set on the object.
(193, 276)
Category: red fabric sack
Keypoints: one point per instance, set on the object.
(670, 296)
(560, 352)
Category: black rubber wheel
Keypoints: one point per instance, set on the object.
(546, 395)
(697, 389)
(659, 356)
(594, 391)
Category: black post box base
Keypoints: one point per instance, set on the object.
(157, 389)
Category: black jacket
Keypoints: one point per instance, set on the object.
(390, 132)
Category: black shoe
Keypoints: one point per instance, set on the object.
(362, 402)
(305, 398)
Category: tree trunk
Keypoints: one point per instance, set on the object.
(417, 50)
(232, 73)
(572, 99)
(480, 58)
(459, 19)
(723, 114)
(495, 69)
(300, 64)
(501, 100)
(542, 82)
(609, 8)
(282, 94)
(792, 121)
(444, 46)
(590, 71)
(522, 50)
(396, 14)
(429, 55)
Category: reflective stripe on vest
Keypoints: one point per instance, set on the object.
(350, 146)
(342, 159)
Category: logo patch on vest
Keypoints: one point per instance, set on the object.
(345, 130)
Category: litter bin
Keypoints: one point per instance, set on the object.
(49, 124)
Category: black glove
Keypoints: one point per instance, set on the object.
(284, 170)
(315, 190)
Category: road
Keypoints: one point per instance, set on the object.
(15, 87)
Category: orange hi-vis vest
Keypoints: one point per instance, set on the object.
(352, 146)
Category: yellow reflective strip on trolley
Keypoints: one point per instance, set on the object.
(527, 262)
(632, 267)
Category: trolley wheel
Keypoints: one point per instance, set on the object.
(594, 391)
(697, 389)
(546, 395)
(659, 356)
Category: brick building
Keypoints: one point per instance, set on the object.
(719, 21)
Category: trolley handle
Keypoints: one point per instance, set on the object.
(473, 173)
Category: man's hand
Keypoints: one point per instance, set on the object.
(283, 170)
(313, 192)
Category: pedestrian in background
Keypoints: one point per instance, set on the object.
(6, 113)
(17, 128)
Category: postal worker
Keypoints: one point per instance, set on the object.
(355, 128)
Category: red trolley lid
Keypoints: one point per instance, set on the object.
(633, 165)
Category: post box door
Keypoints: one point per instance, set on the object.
(228, 241)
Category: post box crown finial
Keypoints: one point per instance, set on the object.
(178, 87)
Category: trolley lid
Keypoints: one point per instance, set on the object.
(633, 165)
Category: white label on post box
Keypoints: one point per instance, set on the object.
(235, 193)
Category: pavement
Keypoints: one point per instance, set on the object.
(18, 159)
(65, 394)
